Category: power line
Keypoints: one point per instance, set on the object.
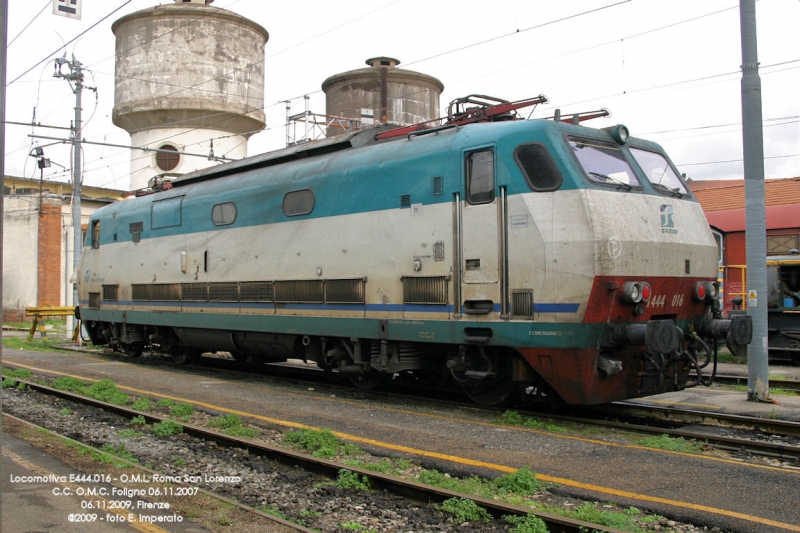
(47, 3)
(70, 42)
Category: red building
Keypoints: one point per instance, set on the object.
(724, 204)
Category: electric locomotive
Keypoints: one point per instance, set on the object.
(517, 259)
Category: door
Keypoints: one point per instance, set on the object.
(480, 264)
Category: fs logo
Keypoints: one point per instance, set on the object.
(667, 220)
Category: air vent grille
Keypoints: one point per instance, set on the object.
(425, 290)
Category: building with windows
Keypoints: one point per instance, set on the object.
(38, 242)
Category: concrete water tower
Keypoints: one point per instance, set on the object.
(382, 93)
(187, 74)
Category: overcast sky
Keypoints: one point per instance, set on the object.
(669, 70)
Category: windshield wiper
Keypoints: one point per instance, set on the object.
(612, 180)
(676, 191)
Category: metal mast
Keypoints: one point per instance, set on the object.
(76, 76)
(755, 206)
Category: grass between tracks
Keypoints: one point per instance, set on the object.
(521, 487)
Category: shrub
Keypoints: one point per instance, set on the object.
(167, 428)
(464, 510)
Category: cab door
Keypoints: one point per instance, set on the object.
(480, 266)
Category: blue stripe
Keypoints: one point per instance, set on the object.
(387, 308)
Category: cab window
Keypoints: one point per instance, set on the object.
(604, 162)
(480, 177)
(658, 170)
(95, 233)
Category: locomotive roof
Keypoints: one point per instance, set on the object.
(285, 155)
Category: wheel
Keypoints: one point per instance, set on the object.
(134, 349)
(485, 378)
(369, 380)
(185, 355)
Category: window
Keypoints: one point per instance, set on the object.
(167, 161)
(480, 177)
(297, 203)
(660, 173)
(223, 214)
(604, 162)
(166, 213)
(539, 169)
(95, 234)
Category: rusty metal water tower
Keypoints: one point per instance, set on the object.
(382, 93)
(187, 75)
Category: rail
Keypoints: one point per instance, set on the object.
(39, 314)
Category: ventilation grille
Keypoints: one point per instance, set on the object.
(344, 291)
(425, 290)
(166, 292)
(194, 292)
(522, 303)
(94, 299)
(140, 293)
(405, 201)
(256, 291)
(223, 292)
(110, 292)
(300, 291)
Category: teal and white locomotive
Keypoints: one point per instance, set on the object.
(517, 259)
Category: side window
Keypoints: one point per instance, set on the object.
(480, 177)
(223, 214)
(298, 203)
(95, 234)
(166, 213)
(539, 169)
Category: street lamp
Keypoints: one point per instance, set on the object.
(42, 162)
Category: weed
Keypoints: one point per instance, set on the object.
(9, 383)
(106, 391)
(167, 403)
(66, 411)
(522, 482)
(120, 451)
(241, 431)
(68, 383)
(167, 428)
(674, 444)
(272, 511)
(310, 514)
(182, 411)
(348, 479)
(19, 373)
(141, 404)
(138, 421)
(228, 420)
(589, 513)
(526, 524)
(321, 443)
(512, 418)
(177, 460)
(464, 510)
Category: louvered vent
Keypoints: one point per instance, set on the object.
(256, 291)
(166, 292)
(522, 303)
(405, 201)
(223, 292)
(110, 292)
(140, 292)
(94, 299)
(344, 291)
(425, 290)
(300, 291)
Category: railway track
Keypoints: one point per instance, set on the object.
(738, 434)
(407, 489)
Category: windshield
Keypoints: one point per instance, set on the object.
(604, 162)
(659, 171)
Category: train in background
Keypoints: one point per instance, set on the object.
(783, 303)
(518, 260)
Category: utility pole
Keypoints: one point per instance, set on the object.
(75, 76)
(755, 206)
